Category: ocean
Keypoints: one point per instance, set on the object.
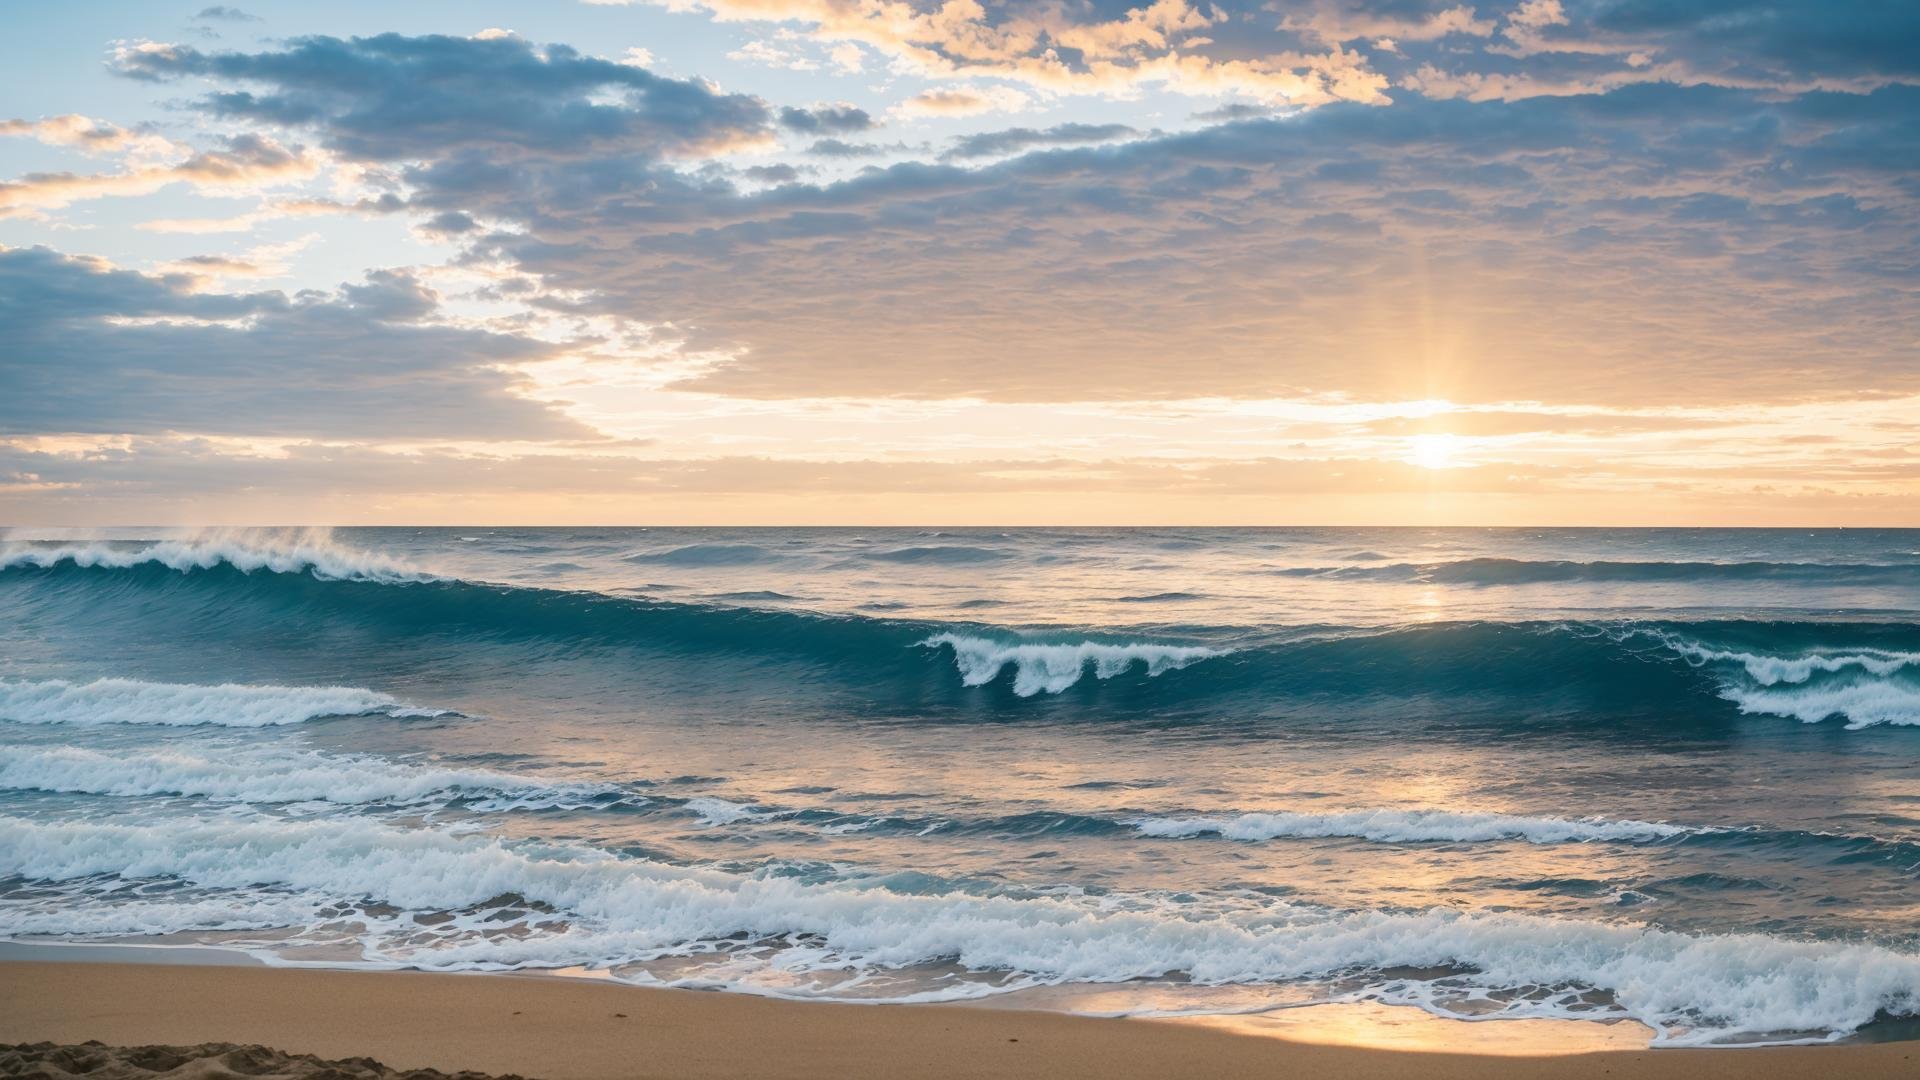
(1664, 775)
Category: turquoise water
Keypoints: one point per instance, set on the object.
(1665, 774)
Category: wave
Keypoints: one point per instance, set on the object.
(130, 701)
(283, 776)
(1863, 686)
(717, 811)
(1859, 704)
(1498, 571)
(948, 554)
(500, 905)
(1455, 672)
(1768, 670)
(1409, 826)
(1051, 668)
(283, 551)
(707, 555)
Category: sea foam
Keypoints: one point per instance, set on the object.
(1050, 668)
(601, 909)
(284, 551)
(131, 701)
(277, 775)
(1866, 687)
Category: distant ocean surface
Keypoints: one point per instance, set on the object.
(1672, 775)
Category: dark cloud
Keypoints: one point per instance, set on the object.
(450, 223)
(397, 98)
(840, 148)
(825, 120)
(95, 349)
(1017, 140)
(1779, 41)
(771, 174)
(223, 13)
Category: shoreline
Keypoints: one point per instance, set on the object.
(558, 1028)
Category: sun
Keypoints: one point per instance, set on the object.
(1433, 451)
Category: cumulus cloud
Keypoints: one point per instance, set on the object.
(397, 98)
(243, 163)
(1017, 140)
(1579, 248)
(87, 134)
(1583, 247)
(963, 101)
(1058, 48)
(92, 348)
(1578, 205)
(825, 119)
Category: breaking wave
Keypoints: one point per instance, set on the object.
(130, 701)
(1865, 674)
(268, 776)
(494, 904)
(282, 551)
(1040, 667)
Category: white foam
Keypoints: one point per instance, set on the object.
(1862, 704)
(1864, 686)
(1404, 826)
(1051, 668)
(1769, 670)
(284, 551)
(717, 811)
(276, 775)
(131, 701)
(615, 910)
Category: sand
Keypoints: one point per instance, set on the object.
(577, 1029)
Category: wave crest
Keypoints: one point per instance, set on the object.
(283, 776)
(1050, 668)
(131, 701)
(281, 551)
(1865, 686)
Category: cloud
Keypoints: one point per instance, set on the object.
(243, 163)
(840, 148)
(223, 13)
(92, 348)
(88, 135)
(395, 98)
(1017, 140)
(825, 119)
(963, 101)
(1428, 248)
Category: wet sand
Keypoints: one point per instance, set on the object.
(579, 1029)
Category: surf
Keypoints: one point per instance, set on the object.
(579, 906)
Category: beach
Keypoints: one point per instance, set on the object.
(577, 1029)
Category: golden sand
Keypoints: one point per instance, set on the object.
(577, 1029)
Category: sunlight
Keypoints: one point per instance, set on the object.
(1436, 451)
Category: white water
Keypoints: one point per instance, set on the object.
(1691, 988)
(1051, 668)
(274, 775)
(132, 701)
(282, 551)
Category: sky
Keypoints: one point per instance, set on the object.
(1587, 262)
